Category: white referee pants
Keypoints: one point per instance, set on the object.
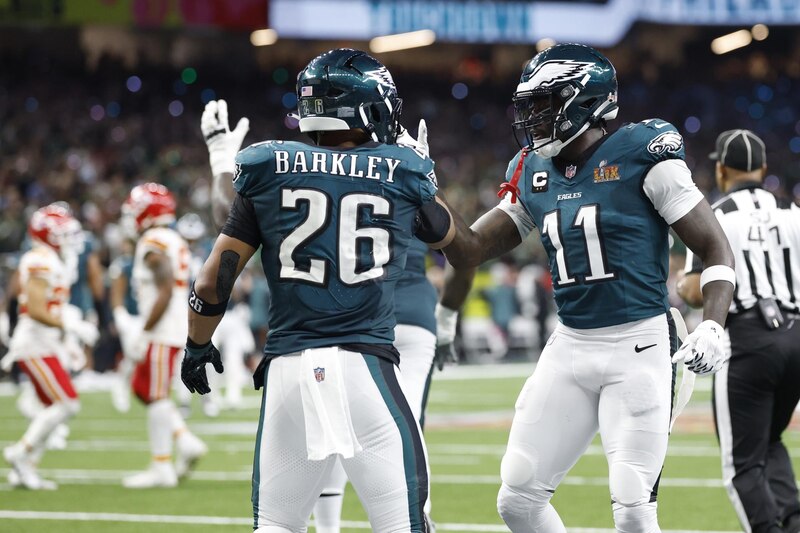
(585, 381)
(389, 474)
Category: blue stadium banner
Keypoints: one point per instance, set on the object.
(597, 23)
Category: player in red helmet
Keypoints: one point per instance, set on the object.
(160, 280)
(46, 339)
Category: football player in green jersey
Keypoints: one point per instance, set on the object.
(415, 297)
(334, 221)
(603, 202)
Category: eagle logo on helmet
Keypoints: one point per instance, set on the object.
(557, 71)
(382, 76)
(669, 141)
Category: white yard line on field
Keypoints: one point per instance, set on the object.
(236, 521)
(98, 476)
(439, 451)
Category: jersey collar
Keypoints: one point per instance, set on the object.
(562, 163)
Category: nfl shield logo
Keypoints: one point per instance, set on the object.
(570, 172)
(319, 374)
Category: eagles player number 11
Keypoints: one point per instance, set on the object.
(587, 218)
(349, 235)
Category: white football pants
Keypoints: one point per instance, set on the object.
(417, 346)
(617, 379)
(389, 474)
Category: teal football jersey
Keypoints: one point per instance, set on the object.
(414, 296)
(335, 227)
(606, 243)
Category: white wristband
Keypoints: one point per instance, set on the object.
(717, 273)
(446, 320)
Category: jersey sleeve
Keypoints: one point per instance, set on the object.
(669, 186)
(660, 141)
(422, 188)
(252, 165)
(242, 223)
(516, 210)
(429, 185)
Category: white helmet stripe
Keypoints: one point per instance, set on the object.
(366, 121)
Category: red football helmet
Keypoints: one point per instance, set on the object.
(149, 205)
(54, 226)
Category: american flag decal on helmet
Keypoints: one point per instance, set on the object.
(306, 91)
(319, 374)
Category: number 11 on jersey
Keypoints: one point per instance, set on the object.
(587, 219)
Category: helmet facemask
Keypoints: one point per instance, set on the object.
(536, 113)
(551, 119)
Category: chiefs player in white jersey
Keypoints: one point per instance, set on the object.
(160, 281)
(45, 341)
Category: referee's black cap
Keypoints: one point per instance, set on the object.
(740, 149)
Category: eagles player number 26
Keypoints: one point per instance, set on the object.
(587, 218)
(348, 235)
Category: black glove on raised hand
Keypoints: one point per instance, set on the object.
(193, 367)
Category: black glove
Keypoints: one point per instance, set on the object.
(193, 367)
(445, 354)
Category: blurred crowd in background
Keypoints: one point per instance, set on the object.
(84, 127)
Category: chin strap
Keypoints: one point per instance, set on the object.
(511, 186)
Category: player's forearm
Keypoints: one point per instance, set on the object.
(464, 251)
(116, 293)
(717, 297)
(213, 287)
(457, 284)
(221, 198)
(95, 277)
(492, 235)
(202, 327)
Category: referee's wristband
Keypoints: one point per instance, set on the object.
(204, 308)
(717, 273)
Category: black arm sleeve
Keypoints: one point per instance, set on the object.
(242, 223)
(13, 314)
(432, 222)
(101, 309)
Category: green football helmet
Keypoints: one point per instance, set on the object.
(345, 89)
(563, 91)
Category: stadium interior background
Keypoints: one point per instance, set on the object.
(88, 110)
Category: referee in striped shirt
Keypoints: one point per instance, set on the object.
(757, 391)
